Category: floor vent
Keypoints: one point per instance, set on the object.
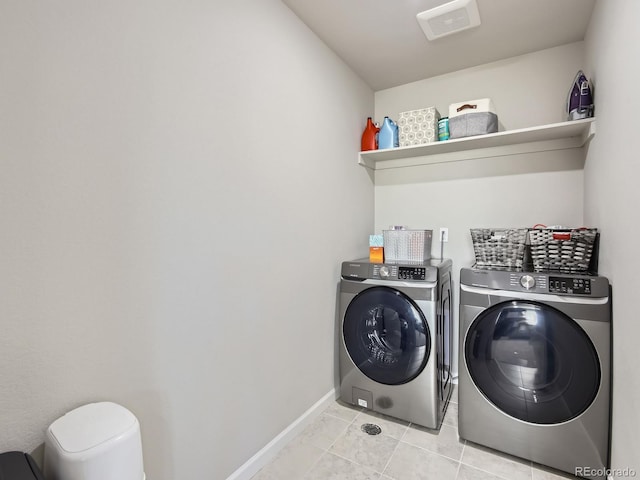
(371, 429)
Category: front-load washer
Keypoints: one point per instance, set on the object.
(395, 339)
(535, 367)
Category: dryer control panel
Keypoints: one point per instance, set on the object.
(412, 273)
(576, 286)
(404, 272)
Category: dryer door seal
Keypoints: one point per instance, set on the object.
(386, 335)
(532, 362)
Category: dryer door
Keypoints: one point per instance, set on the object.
(532, 362)
(386, 335)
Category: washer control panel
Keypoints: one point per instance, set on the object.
(554, 283)
(579, 286)
(528, 281)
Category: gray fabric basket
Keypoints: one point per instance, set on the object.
(475, 123)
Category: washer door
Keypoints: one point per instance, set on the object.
(532, 362)
(386, 335)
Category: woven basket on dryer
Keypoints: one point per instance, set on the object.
(562, 250)
(499, 247)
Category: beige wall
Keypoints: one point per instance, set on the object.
(611, 202)
(527, 90)
(178, 187)
(511, 191)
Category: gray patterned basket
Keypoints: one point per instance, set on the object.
(562, 250)
(499, 247)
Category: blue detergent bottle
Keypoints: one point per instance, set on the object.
(388, 134)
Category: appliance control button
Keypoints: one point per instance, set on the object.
(384, 271)
(527, 281)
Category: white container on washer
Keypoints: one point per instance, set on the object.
(97, 441)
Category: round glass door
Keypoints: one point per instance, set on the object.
(386, 335)
(532, 362)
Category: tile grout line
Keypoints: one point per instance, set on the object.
(358, 412)
(485, 471)
(351, 461)
(406, 428)
(458, 471)
(473, 466)
(503, 458)
(352, 423)
(326, 451)
(311, 467)
(434, 452)
(395, 450)
(464, 446)
(530, 469)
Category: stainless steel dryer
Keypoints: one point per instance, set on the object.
(535, 367)
(395, 338)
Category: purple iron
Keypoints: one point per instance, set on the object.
(580, 99)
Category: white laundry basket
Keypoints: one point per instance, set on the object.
(98, 441)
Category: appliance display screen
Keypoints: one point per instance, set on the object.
(412, 273)
(580, 286)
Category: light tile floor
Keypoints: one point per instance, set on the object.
(334, 447)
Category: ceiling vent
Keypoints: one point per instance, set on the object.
(452, 17)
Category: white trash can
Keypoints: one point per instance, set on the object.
(98, 441)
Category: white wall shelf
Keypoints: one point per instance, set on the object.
(556, 136)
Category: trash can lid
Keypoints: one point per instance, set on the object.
(90, 425)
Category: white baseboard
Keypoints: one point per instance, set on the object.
(271, 449)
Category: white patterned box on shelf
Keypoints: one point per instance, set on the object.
(418, 127)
